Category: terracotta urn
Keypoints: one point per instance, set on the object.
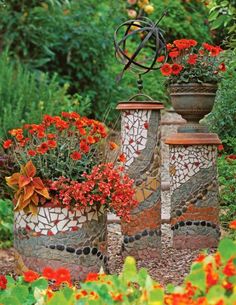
(193, 101)
(57, 237)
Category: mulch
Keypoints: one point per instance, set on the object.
(171, 268)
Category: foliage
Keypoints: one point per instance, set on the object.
(212, 280)
(139, 8)
(223, 19)
(25, 96)
(6, 223)
(191, 64)
(222, 120)
(227, 182)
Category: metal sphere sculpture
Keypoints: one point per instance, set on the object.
(150, 40)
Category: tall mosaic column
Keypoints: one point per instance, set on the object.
(194, 190)
(140, 137)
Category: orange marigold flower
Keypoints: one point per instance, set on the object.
(166, 69)
(62, 275)
(176, 69)
(30, 276)
(122, 158)
(117, 297)
(113, 145)
(232, 224)
(90, 140)
(48, 273)
(211, 276)
(7, 144)
(31, 153)
(76, 155)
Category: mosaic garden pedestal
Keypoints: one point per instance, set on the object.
(58, 238)
(194, 190)
(140, 138)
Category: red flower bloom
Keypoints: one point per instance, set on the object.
(30, 276)
(43, 148)
(7, 144)
(222, 67)
(220, 147)
(161, 58)
(176, 69)
(31, 153)
(211, 276)
(166, 69)
(113, 145)
(230, 268)
(192, 59)
(215, 51)
(91, 277)
(76, 155)
(48, 273)
(51, 136)
(122, 158)
(231, 157)
(90, 140)
(62, 275)
(3, 282)
(146, 125)
(174, 54)
(52, 143)
(84, 146)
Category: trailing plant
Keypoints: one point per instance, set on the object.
(211, 281)
(191, 64)
(6, 223)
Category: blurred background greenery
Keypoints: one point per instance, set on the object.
(58, 55)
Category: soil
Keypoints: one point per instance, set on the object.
(171, 268)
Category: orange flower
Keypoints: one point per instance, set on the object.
(52, 143)
(48, 273)
(62, 275)
(232, 224)
(7, 144)
(113, 145)
(117, 297)
(30, 276)
(230, 268)
(90, 140)
(76, 155)
(200, 258)
(91, 277)
(122, 158)
(211, 276)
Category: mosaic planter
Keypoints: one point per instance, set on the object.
(140, 136)
(193, 101)
(194, 190)
(57, 237)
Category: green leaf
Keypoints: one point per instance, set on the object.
(227, 249)
(20, 292)
(170, 288)
(10, 281)
(198, 279)
(215, 293)
(218, 22)
(10, 301)
(40, 284)
(156, 296)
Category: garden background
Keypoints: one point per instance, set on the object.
(58, 56)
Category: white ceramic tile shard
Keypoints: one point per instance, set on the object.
(188, 161)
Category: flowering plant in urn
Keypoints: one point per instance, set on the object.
(59, 163)
(189, 62)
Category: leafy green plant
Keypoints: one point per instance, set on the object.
(212, 280)
(227, 181)
(6, 223)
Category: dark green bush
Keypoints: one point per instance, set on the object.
(6, 223)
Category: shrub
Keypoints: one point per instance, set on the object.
(211, 281)
(6, 223)
(25, 95)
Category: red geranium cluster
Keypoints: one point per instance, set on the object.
(189, 63)
(106, 185)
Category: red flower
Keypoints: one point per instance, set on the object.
(52, 143)
(62, 275)
(192, 59)
(91, 140)
(43, 148)
(48, 273)
(220, 147)
(174, 54)
(30, 276)
(230, 268)
(3, 282)
(176, 69)
(51, 136)
(200, 258)
(232, 225)
(222, 67)
(161, 58)
(215, 51)
(84, 146)
(76, 155)
(231, 157)
(146, 125)
(122, 158)
(211, 276)
(166, 69)
(31, 153)
(91, 277)
(7, 144)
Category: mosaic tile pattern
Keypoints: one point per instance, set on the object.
(141, 145)
(194, 196)
(134, 133)
(57, 237)
(50, 221)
